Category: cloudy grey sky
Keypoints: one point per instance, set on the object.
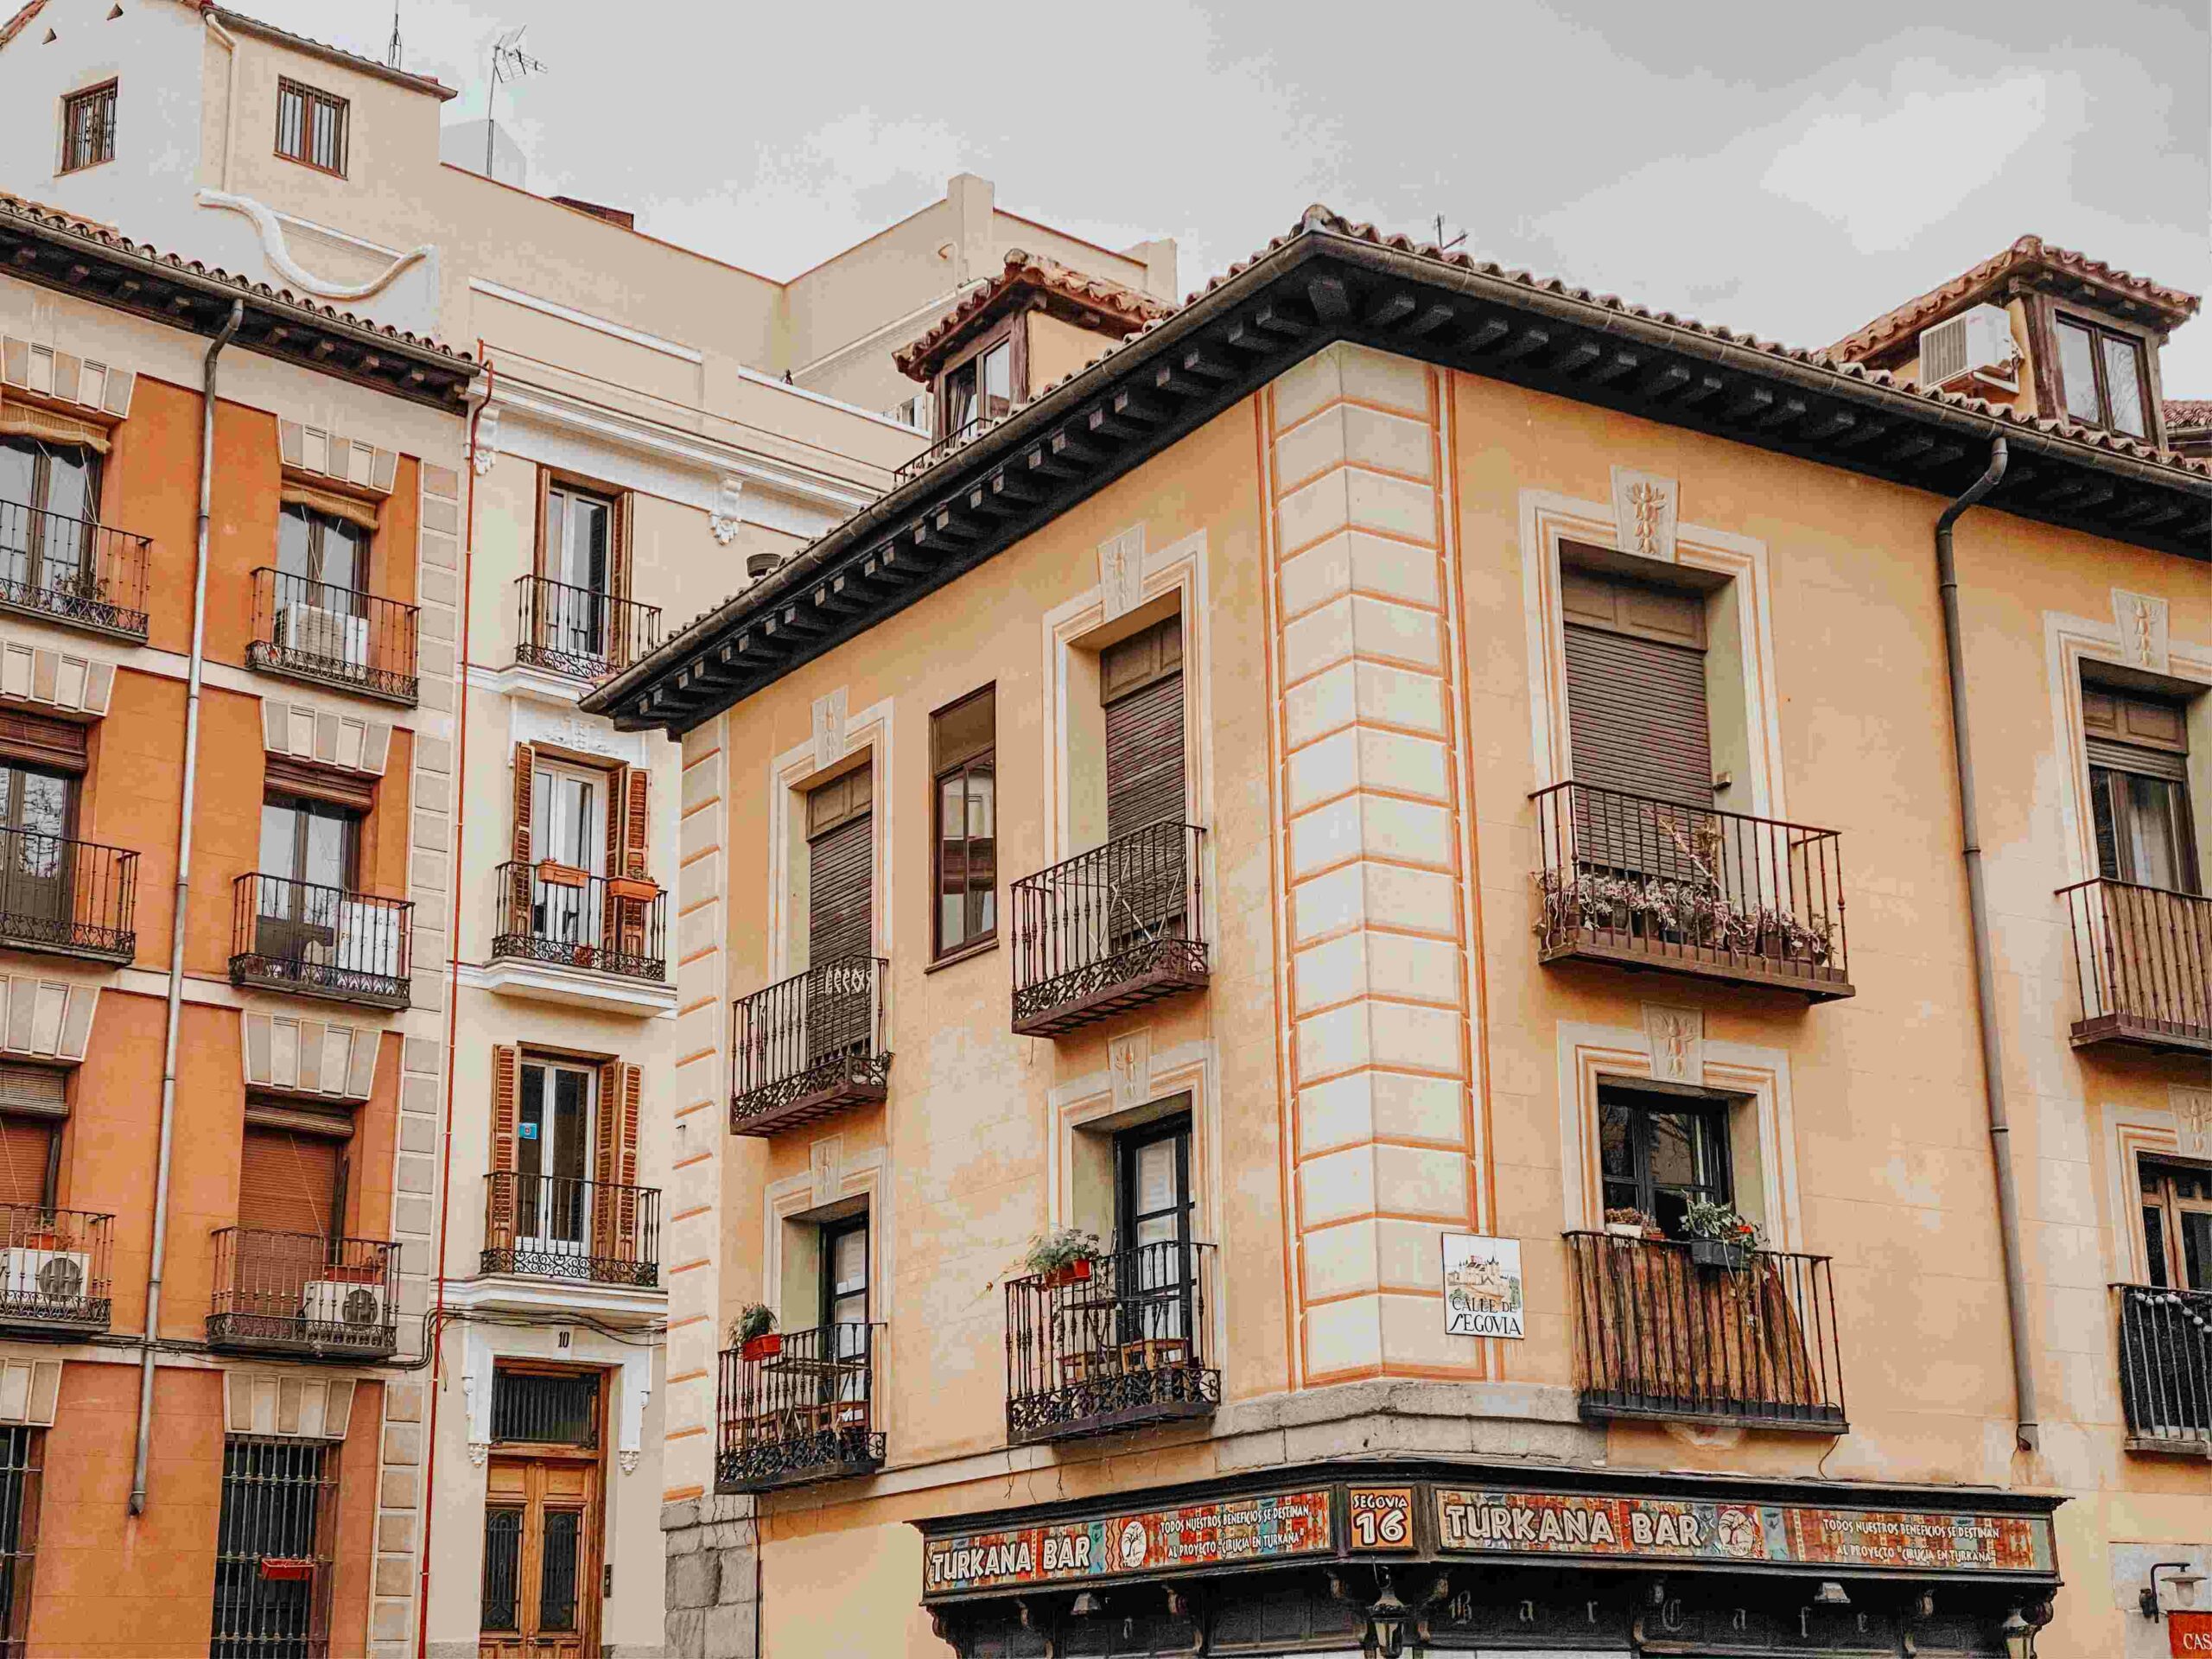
(1740, 162)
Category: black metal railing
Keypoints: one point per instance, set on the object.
(2142, 957)
(1654, 883)
(319, 941)
(579, 631)
(73, 897)
(2165, 1367)
(957, 438)
(1110, 1344)
(72, 570)
(801, 1407)
(615, 924)
(1663, 1335)
(1110, 929)
(338, 635)
(809, 1046)
(305, 1293)
(54, 1267)
(557, 1226)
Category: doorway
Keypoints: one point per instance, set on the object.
(542, 1531)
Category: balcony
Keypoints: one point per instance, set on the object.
(803, 1408)
(555, 1227)
(1665, 1336)
(1109, 930)
(333, 635)
(810, 1045)
(305, 1294)
(64, 569)
(54, 1270)
(564, 919)
(1646, 883)
(1114, 1344)
(67, 898)
(959, 438)
(2166, 1369)
(320, 942)
(579, 632)
(2144, 959)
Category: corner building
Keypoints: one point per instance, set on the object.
(1399, 754)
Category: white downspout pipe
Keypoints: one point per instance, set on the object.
(192, 678)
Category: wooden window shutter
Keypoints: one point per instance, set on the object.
(637, 821)
(618, 556)
(32, 1089)
(839, 875)
(607, 1160)
(1635, 716)
(633, 1089)
(26, 1153)
(288, 1183)
(506, 1108)
(525, 809)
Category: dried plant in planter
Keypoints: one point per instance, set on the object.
(1691, 910)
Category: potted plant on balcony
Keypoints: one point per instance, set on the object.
(1718, 1236)
(753, 1330)
(1628, 1222)
(1063, 1256)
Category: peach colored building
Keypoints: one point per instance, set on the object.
(1358, 998)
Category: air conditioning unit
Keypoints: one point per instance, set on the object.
(56, 1276)
(1976, 347)
(326, 636)
(343, 1302)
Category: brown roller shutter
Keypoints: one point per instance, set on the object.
(26, 1149)
(1141, 682)
(1636, 717)
(32, 1089)
(840, 870)
(288, 1182)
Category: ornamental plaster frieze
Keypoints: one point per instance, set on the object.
(45, 1019)
(320, 452)
(314, 1058)
(54, 677)
(101, 389)
(289, 1404)
(30, 1391)
(327, 737)
(276, 250)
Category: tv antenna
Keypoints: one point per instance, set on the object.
(509, 63)
(1442, 246)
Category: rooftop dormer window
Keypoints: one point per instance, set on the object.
(980, 389)
(311, 127)
(2100, 371)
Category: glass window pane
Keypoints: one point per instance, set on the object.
(998, 381)
(293, 534)
(502, 1563)
(18, 461)
(530, 1135)
(2154, 849)
(848, 1266)
(2196, 1248)
(2154, 1243)
(556, 1587)
(2077, 372)
(345, 555)
(571, 1110)
(280, 829)
(2123, 385)
(959, 399)
(70, 475)
(329, 842)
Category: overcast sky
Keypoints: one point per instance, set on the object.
(1779, 168)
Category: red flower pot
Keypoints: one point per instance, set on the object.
(1074, 1272)
(759, 1348)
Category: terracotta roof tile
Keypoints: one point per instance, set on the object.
(15, 24)
(1117, 308)
(367, 66)
(2029, 252)
(2188, 413)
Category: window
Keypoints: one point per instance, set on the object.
(980, 389)
(2177, 1225)
(1152, 1202)
(310, 841)
(962, 741)
(280, 1509)
(326, 558)
(88, 128)
(840, 869)
(553, 1132)
(311, 127)
(22, 1458)
(569, 829)
(546, 1408)
(580, 564)
(1635, 688)
(1141, 683)
(2138, 789)
(1661, 1151)
(291, 1181)
(2102, 377)
(50, 507)
(844, 1272)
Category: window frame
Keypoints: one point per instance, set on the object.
(1009, 332)
(309, 97)
(2165, 1264)
(1177, 1127)
(108, 91)
(1711, 1113)
(827, 1235)
(985, 761)
(2099, 332)
(304, 807)
(320, 524)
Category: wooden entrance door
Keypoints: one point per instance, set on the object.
(541, 1559)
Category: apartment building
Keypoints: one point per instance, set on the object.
(1373, 1009)
(648, 429)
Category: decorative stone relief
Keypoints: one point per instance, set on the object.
(1644, 506)
(830, 729)
(306, 733)
(478, 1451)
(2192, 1119)
(1677, 1038)
(486, 449)
(279, 254)
(2142, 619)
(65, 377)
(288, 1403)
(64, 681)
(564, 729)
(317, 450)
(628, 1458)
(1128, 1059)
(1120, 570)
(46, 1018)
(825, 1161)
(308, 1057)
(730, 511)
(30, 1390)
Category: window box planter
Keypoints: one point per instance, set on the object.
(756, 1349)
(287, 1569)
(634, 888)
(1073, 1273)
(560, 875)
(1721, 1254)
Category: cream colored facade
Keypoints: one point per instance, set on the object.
(722, 417)
(1363, 539)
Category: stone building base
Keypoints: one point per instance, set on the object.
(713, 1578)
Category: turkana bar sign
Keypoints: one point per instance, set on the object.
(1267, 1527)
(1548, 1523)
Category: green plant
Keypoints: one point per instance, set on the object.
(753, 1319)
(1711, 1218)
(1062, 1248)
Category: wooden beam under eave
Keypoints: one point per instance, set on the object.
(1577, 358)
(1487, 333)
(1391, 310)
(1755, 401)
(1616, 365)
(1527, 340)
(1195, 361)
(1664, 383)
(1275, 320)
(1701, 388)
(1430, 319)
(1331, 299)
(1244, 336)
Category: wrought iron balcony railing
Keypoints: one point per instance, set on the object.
(810, 1045)
(318, 941)
(797, 1406)
(305, 1294)
(53, 1269)
(1110, 1344)
(959, 438)
(72, 898)
(1650, 883)
(579, 631)
(2142, 957)
(556, 1227)
(334, 635)
(2165, 1367)
(615, 924)
(1109, 929)
(1663, 1335)
(66, 569)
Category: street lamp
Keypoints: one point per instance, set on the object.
(2020, 1637)
(2184, 1581)
(1387, 1617)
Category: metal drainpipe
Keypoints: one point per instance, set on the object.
(2029, 1427)
(192, 677)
